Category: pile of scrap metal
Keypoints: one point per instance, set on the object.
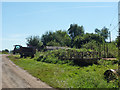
(112, 74)
(24, 51)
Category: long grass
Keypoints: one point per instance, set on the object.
(67, 76)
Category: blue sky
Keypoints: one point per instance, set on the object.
(23, 19)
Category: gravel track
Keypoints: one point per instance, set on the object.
(15, 77)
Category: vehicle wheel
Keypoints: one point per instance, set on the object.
(21, 56)
(25, 56)
(32, 56)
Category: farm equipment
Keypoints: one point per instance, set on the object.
(24, 51)
(111, 74)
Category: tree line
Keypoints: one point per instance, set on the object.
(74, 37)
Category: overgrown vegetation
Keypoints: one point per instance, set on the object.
(69, 56)
(73, 67)
(65, 75)
(75, 37)
(34, 41)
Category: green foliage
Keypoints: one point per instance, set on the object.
(69, 56)
(3, 52)
(87, 38)
(109, 50)
(106, 49)
(78, 41)
(93, 45)
(103, 32)
(108, 62)
(53, 43)
(75, 30)
(76, 38)
(34, 41)
(58, 38)
(112, 49)
(66, 76)
(97, 31)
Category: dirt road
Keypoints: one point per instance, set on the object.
(15, 77)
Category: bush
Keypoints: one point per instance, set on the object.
(6, 51)
(68, 56)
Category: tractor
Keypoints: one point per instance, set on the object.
(24, 51)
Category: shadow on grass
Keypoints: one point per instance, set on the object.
(75, 62)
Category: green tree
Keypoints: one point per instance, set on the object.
(92, 44)
(47, 37)
(86, 38)
(78, 41)
(34, 41)
(58, 38)
(62, 37)
(97, 31)
(75, 30)
(103, 32)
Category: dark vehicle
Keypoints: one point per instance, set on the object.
(24, 51)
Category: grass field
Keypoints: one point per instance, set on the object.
(68, 76)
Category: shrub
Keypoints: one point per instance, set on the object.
(69, 56)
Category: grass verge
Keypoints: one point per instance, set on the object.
(66, 76)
